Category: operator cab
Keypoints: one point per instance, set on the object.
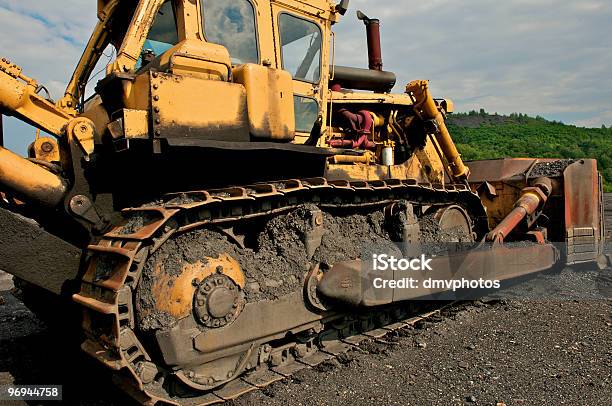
(276, 51)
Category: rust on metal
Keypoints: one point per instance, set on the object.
(532, 199)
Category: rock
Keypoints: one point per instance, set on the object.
(272, 283)
(471, 347)
(471, 399)
(254, 287)
(464, 365)
(422, 345)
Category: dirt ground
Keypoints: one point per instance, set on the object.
(512, 352)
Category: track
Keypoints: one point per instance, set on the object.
(119, 258)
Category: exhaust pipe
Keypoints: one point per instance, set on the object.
(374, 47)
(29, 181)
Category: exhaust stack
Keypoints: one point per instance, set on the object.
(374, 47)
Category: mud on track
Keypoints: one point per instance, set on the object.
(518, 352)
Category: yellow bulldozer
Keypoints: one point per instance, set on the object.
(205, 209)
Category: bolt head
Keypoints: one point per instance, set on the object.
(46, 147)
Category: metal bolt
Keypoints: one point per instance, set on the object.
(46, 147)
(156, 109)
(155, 74)
(156, 86)
(157, 121)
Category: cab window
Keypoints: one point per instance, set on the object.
(232, 24)
(306, 113)
(163, 34)
(301, 48)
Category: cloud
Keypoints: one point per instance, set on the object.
(546, 57)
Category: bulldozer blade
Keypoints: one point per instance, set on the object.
(35, 256)
(356, 283)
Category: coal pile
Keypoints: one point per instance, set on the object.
(550, 169)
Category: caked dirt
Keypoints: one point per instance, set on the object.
(276, 263)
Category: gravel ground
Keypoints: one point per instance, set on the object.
(517, 353)
(511, 352)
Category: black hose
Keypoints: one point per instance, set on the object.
(48, 165)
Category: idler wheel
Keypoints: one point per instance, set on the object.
(456, 223)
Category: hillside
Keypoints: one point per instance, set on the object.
(488, 136)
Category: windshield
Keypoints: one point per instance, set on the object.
(233, 25)
(163, 34)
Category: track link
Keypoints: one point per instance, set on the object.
(116, 263)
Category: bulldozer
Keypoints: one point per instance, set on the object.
(204, 210)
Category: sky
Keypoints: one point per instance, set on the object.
(541, 57)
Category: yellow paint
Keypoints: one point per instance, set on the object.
(82, 131)
(46, 149)
(269, 101)
(217, 105)
(18, 98)
(29, 180)
(198, 59)
(427, 109)
(174, 294)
